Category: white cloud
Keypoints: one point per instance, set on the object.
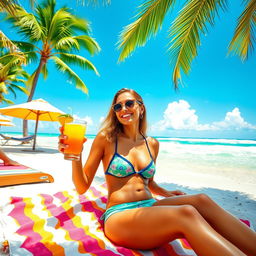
(233, 120)
(180, 116)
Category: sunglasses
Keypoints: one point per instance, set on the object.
(128, 104)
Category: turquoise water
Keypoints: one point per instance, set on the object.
(89, 136)
(183, 141)
(199, 153)
(231, 155)
(209, 142)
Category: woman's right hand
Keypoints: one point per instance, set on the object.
(62, 146)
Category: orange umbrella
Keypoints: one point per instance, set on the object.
(4, 119)
(33, 110)
(7, 124)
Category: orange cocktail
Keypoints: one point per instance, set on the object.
(75, 132)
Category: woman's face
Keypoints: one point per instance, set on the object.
(128, 115)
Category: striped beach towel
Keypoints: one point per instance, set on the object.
(65, 223)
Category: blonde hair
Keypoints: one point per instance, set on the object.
(111, 126)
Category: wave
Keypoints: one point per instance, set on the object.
(202, 141)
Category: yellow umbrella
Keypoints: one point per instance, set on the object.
(7, 124)
(33, 110)
(4, 119)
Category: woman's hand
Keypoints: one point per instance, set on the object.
(175, 193)
(62, 146)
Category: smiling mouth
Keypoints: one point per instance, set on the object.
(126, 115)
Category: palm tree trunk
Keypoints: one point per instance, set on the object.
(32, 92)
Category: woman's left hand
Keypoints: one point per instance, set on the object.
(176, 193)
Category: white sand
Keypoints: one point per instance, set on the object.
(236, 193)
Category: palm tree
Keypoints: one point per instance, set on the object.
(53, 35)
(9, 5)
(11, 73)
(186, 31)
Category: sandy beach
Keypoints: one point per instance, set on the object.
(236, 192)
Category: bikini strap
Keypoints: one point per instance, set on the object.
(147, 146)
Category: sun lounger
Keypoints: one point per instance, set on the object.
(15, 175)
(65, 223)
(6, 139)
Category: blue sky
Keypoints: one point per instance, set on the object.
(216, 100)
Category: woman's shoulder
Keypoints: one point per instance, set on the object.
(101, 136)
(153, 142)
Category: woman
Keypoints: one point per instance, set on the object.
(133, 218)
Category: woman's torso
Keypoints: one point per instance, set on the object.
(139, 156)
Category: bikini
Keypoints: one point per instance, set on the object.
(121, 167)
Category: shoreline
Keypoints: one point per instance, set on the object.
(235, 193)
(53, 134)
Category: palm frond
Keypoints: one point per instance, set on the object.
(3, 99)
(78, 60)
(10, 89)
(7, 43)
(24, 46)
(12, 59)
(80, 24)
(62, 66)
(149, 20)
(18, 87)
(186, 30)
(59, 25)
(88, 43)
(8, 6)
(45, 13)
(67, 43)
(32, 57)
(244, 36)
(26, 55)
(30, 80)
(27, 23)
(3, 87)
(44, 71)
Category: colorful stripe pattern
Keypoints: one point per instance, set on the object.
(66, 223)
(15, 169)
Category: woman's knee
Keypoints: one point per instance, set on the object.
(187, 211)
(202, 200)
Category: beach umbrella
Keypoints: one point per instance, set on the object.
(33, 110)
(6, 124)
(4, 119)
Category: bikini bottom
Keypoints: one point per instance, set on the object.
(126, 206)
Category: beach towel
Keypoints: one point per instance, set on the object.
(65, 223)
(20, 174)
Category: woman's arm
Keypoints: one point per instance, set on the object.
(83, 177)
(157, 190)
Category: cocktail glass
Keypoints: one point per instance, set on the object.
(75, 132)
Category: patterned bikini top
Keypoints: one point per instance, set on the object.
(122, 167)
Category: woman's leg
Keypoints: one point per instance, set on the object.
(150, 227)
(223, 222)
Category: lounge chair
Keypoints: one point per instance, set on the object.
(6, 139)
(20, 174)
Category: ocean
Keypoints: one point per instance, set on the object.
(200, 154)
